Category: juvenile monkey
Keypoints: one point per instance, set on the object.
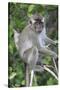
(32, 41)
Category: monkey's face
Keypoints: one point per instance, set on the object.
(38, 25)
(37, 21)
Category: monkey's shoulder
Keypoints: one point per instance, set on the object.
(28, 33)
(28, 38)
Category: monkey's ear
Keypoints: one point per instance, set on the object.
(32, 21)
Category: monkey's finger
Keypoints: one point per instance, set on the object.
(39, 68)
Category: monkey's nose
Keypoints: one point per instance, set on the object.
(39, 31)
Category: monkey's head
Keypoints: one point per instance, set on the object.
(37, 22)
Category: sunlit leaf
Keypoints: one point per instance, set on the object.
(30, 8)
(12, 75)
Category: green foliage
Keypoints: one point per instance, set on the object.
(18, 18)
(51, 81)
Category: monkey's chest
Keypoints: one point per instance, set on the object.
(41, 40)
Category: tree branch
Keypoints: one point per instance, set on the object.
(51, 72)
(55, 65)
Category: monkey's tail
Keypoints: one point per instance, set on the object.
(32, 75)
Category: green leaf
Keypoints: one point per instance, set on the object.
(31, 8)
(12, 75)
(23, 82)
(50, 81)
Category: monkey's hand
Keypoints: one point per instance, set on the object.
(39, 68)
(56, 42)
(47, 46)
(50, 41)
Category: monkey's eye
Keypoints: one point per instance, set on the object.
(39, 21)
(30, 22)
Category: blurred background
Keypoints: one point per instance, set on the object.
(18, 16)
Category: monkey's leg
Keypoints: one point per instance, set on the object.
(33, 57)
(48, 52)
(40, 59)
(27, 74)
(27, 70)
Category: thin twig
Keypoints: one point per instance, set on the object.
(55, 65)
(49, 66)
(51, 72)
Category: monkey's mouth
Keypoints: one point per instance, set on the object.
(39, 30)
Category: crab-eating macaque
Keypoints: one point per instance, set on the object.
(32, 41)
